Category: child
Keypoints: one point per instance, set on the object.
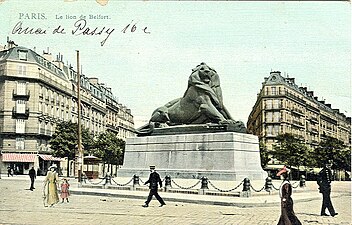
(65, 190)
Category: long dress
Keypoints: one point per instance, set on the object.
(65, 190)
(288, 216)
(50, 188)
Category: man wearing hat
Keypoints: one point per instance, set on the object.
(324, 181)
(154, 179)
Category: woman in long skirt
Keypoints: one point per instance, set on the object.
(51, 186)
(288, 216)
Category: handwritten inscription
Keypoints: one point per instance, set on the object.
(19, 29)
(80, 28)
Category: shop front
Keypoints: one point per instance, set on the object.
(18, 163)
(21, 163)
(45, 161)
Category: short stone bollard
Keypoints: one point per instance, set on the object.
(246, 191)
(135, 182)
(204, 186)
(107, 180)
(84, 178)
(167, 182)
(302, 181)
(268, 185)
(204, 183)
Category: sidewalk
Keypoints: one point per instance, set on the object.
(257, 199)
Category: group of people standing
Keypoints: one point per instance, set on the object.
(324, 179)
(51, 186)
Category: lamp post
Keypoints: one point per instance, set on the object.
(79, 152)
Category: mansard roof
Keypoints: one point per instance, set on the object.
(32, 56)
(275, 78)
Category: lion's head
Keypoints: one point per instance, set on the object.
(205, 73)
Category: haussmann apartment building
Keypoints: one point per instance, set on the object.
(37, 92)
(284, 107)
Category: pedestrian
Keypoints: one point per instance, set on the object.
(65, 192)
(51, 196)
(154, 179)
(324, 181)
(9, 171)
(32, 176)
(288, 216)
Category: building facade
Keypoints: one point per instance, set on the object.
(284, 107)
(37, 92)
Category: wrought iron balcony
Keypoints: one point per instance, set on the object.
(20, 115)
(24, 96)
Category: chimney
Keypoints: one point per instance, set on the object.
(10, 44)
(310, 93)
(47, 56)
(276, 73)
(94, 80)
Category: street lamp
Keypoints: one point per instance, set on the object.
(80, 151)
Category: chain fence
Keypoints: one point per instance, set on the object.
(141, 180)
(94, 183)
(232, 189)
(125, 184)
(275, 188)
(179, 186)
(268, 186)
(256, 189)
(297, 182)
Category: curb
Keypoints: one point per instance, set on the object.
(192, 201)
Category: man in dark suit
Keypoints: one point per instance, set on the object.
(154, 179)
(324, 182)
(32, 175)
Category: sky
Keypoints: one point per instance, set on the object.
(242, 41)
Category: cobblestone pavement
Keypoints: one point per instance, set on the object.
(18, 205)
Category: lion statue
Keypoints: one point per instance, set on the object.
(201, 103)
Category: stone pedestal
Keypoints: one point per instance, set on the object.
(218, 156)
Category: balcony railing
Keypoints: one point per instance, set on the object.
(19, 114)
(298, 111)
(297, 123)
(24, 95)
(314, 130)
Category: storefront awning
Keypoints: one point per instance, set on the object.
(16, 157)
(301, 168)
(49, 158)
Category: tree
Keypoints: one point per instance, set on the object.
(333, 149)
(264, 154)
(64, 141)
(290, 150)
(109, 148)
